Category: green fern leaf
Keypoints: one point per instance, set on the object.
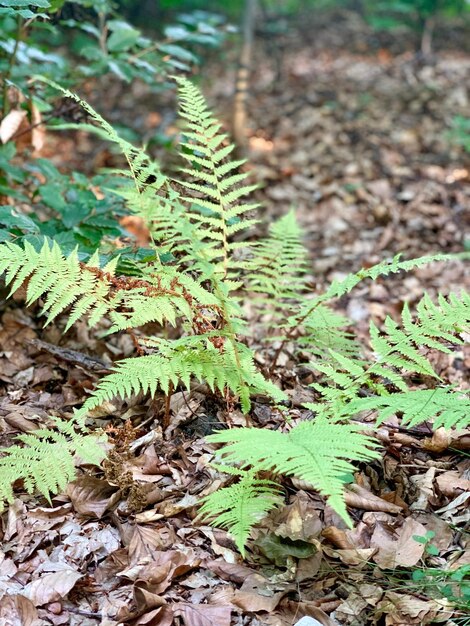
(180, 361)
(45, 460)
(215, 188)
(341, 287)
(444, 406)
(319, 452)
(241, 505)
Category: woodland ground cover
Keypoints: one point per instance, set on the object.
(356, 141)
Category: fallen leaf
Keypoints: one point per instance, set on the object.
(452, 483)
(146, 540)
(401, 610)
(440, 440)
(259, 594)
(425, 486)
(297, 521)
(17, 610)
(203, 614)
(51, 587)
(234, 572)
(10, 124)
(360, 498)
(398, 548)
(90, 496)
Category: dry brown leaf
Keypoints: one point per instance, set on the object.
(169, 507)
(51, 587)
(146, 540)
(452, 483)
(10, 124)
(306, 611)
(357, 602)
(21, 422)
(361, 498)
(404, 610)
(145, 598)
(425, 486)
(203, 614)
(162, 567)
(234, 572)
(90, 496)
(440, 440)
(398, 548)
(298, 521)
(358, 557)
(337, 537)
(162, 616)
(450, 510)
(17, 610)
(259, 594)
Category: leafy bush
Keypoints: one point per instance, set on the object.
(196, 280)
(98, 41)
(60, 207)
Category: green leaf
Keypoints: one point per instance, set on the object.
(123, 36)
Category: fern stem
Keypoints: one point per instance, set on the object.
(166, 415)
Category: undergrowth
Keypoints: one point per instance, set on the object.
(202, 272)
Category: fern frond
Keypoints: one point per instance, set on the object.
(397, 351)
(45, 460)
(325, 330)
(240, 506)
(319, 452)
(140, 166)
(96, 292)
(341, 287)
(180, 361)
(214, 188)
(398, 347)
(444, 406)
(279, 267)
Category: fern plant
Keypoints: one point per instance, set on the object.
(241, 505)
(192, 292)
(320, 451)
(397, 352)
(46, 460)
(214, 186)
(195, 224)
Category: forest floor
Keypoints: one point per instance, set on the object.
(355, 139)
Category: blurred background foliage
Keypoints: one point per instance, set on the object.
(87, 45)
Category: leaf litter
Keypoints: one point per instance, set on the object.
(356, 142)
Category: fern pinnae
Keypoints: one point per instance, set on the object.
(341, 287)
(230, 367)
(397, 354)
(140, 166)
(211, 176)
(319, 452)
(46, 458)
(238, 507)
(443, 406)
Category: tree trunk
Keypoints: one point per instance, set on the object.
(242, 81)
(426, 37)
